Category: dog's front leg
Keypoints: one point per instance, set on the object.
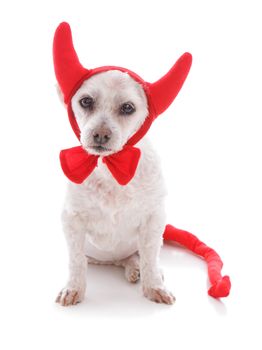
(150, 242)
(74, 290)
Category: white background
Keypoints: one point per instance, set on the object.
(210, 145)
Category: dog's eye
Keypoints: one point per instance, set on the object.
(127, 108)
(87, 102)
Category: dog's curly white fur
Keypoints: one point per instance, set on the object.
(103, 221)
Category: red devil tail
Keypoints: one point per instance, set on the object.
(220, 286)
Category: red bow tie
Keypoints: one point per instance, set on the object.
(77, 164)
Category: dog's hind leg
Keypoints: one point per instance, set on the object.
(130, 264)
(132, 268)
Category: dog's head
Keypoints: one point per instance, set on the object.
(109, 108)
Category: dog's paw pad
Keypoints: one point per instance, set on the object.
(159, 295)
(68, 297)
(132, 275)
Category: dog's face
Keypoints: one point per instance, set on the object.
(109, 108)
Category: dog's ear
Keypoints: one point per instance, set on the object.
(60, 94)
(164, 91)
(68, 69)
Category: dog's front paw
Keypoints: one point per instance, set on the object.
(69, 297)
(159, 295)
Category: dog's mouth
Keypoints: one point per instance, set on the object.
(100, 149)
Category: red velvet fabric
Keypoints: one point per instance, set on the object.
(220, 286)
(77, 164)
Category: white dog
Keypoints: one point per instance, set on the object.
(103, 221)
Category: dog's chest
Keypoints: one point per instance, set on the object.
(112, 217)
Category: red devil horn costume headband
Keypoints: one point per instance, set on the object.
(77, 164)
(70, 73)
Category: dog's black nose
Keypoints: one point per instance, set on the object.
(102, 136)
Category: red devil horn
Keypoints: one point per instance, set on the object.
(68, 69)
(164, 91)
